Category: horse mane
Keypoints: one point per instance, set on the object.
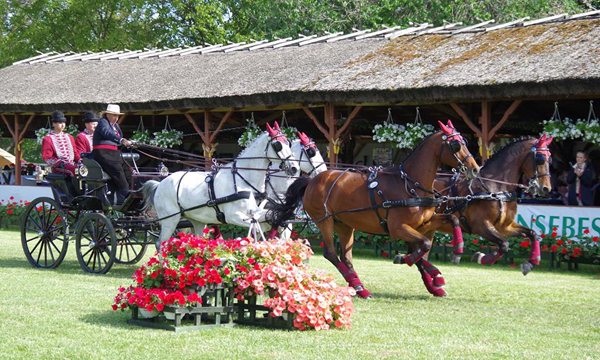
(506, 148)
(259, 137)
(419, 145)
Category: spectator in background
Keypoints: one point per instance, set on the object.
(581, 179)
(6, 175)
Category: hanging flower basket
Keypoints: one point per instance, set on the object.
(590, 128)
(141, 135)
(290, 132)
(167, 137)
(252, 132)
(72, 130)
(561, 129)
(402, 137)
(41, 133)
(388, 132)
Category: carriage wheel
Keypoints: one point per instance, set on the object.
(96, 243)
(44, 233)
(131, 247)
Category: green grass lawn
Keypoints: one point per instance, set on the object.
(490, 313)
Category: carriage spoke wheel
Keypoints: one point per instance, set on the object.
(130, 246)
(96, 243)
(44, 233)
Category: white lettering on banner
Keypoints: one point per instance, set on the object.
(570, 221)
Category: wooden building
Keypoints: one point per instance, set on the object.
(487, 78)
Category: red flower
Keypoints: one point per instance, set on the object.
(251, 261)
(555, 228)
(160, 307)
(553, 248)
(513, 265)
(217, 262)
(533, 220)
(475, 241)
(525, 244)
(545, 247)
(321, 244)
(206, 231)
(559, 242)
(564, 251)
(294, 234)
(586, 231)
(226, 271)
(577, 252)
(554, 234)
(385, 254)
(153, 275)
(9, 212)
(595, 239)
(115, 307)
(543, 236)
(12, 197)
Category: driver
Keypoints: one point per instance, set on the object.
(58, 147)
(107, 138)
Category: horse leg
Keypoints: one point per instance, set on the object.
(410, 235)
(431, 276)
(457, 240)
(346, 236)
(489, 232)
(516, 229)
(198, 227)
(167, 227)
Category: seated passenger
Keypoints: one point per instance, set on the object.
(107, 139)
(58, 147)
(85, 139)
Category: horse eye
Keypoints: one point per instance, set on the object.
(277, 146)
(455, 146)
(311, 152)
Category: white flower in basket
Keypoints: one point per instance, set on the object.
(41, 133)
(290, 132)
(141, 136)
(167, 138)
(72, 130)
(252, 132)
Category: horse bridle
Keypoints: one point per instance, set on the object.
(276, 141)
(454, 142)
(540, 157)
(309, 150)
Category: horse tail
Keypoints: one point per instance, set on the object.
(283, 211)
(148, 191)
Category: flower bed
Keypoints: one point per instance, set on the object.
(187, 265)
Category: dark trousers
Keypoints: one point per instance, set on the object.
(115, 166)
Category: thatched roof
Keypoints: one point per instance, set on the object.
(557, 59)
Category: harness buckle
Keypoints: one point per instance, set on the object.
(211, 203)
(469, 198)
(386, 204)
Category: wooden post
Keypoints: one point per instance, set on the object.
(205, 135)
(485, 120)
(333, 141)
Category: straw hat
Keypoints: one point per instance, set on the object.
(113, 109)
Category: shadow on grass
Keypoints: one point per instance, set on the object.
(119, 271)
(109, 318)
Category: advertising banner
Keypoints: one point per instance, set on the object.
(570, 221)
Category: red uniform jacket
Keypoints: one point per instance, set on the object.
(83, 142)
(58, 151)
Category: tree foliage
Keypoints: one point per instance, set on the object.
(27, 26)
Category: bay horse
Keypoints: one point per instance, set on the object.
(217, 197)
(345, 200)
(492, 210)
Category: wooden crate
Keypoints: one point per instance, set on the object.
(217, 310)
(251, 312)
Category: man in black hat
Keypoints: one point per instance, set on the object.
(84, 142)
(58, 147)
(107, 139)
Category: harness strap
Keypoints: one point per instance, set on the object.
(372, 185)
(210, 179)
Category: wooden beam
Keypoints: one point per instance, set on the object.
(196, 127)
(317, 123)
(466, 119)
(17, 151)
(511, 109)
(223, 121)
(22, 134)
(122, 118)
(485, 120)
(330, 121)
(10, 128)
(348, 121)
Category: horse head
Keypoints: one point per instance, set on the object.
(537, 167)
(280, 145)
(307, 153)
(461, 158)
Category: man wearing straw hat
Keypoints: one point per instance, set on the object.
(84, 142)
(58, 147)
(107, 138)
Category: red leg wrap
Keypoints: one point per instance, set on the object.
(216, 232)
(535, 255)
(273, 233)
(429, 268)
(439, 281)
(415, 256)
(491, 259)
(457, 240)
(360, 289)
(433, 290)
(348, 274)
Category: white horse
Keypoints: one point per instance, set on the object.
(186, 194)
(311, 162)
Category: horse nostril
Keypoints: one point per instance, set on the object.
(545, 190)
(294, 170)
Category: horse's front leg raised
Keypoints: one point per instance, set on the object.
(445, 220)
(489, 232)
(518, 230)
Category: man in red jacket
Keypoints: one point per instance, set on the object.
(85, 139)
(58, 147)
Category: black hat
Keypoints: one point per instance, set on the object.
(90, 116)
(58, 116)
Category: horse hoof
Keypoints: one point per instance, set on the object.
(477, 257)
(455, 258)
(364, 293)
(399, 259)
(439, 281)
(526, 267)
(439, 292)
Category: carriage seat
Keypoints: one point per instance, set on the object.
(95, 171)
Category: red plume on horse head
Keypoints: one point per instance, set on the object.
(276, 126)
(446, 129)
(304, 140)
(272, 132)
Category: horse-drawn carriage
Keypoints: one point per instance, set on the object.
(81, 208)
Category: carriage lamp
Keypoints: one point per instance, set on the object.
(163, 170)
(82, 170)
